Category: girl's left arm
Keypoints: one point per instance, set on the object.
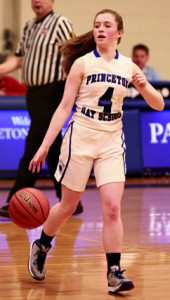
(149, 93)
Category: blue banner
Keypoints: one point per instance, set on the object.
(14, 126)
(155, 132)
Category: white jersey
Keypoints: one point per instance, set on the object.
(103, 88)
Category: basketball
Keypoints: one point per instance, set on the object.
(29, 208)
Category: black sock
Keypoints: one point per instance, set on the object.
(113, 259)
(45, 240)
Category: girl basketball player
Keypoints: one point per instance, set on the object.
(97, 83)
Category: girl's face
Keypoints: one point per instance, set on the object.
(105, 30)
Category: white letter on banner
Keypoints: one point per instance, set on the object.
(156, 130)
(166, 134)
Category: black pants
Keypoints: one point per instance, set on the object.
(41, 104)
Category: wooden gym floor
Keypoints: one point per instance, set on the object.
(76, 267)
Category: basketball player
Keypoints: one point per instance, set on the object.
(98, 81)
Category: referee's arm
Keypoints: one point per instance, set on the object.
(10, 65)
(65, 29)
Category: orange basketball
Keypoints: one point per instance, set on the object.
(29, 208)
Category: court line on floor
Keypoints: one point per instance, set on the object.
(126, 247)
(77, 263)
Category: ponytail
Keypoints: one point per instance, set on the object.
(76, 47)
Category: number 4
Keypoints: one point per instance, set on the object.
(105, 100)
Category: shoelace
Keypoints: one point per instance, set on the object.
(119, 273)
(41, 255)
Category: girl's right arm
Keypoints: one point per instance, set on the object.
(61, 114)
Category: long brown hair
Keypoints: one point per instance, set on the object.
(80, 45)
(76, 47)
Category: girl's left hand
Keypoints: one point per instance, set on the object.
(139, 79)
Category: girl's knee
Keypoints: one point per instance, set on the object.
(69, 208)
(112, 213)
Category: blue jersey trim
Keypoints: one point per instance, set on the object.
(70, 125)
(124, 152)
(98, 55)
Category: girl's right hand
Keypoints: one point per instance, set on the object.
(38, 159)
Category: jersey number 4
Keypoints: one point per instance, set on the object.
(105, 100)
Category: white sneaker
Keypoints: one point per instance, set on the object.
(116, 282)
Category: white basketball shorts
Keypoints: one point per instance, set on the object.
(81, 148)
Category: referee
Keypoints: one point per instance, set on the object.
(39, 58)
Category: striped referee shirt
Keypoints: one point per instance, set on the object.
(39, 48)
